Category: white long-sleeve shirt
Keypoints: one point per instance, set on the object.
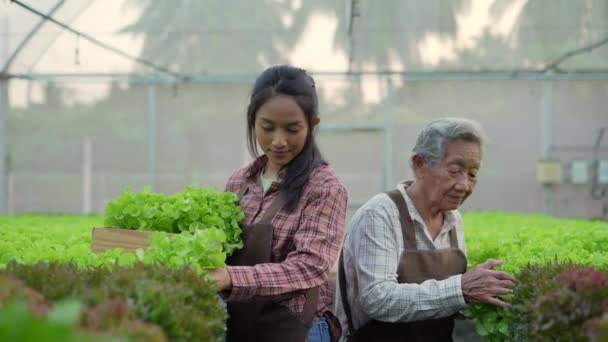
(372, 249)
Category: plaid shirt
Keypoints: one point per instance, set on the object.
(305, 243)
(372, 251)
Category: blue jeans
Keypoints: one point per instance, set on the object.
(319, 332)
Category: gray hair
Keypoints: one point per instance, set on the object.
(433, 138)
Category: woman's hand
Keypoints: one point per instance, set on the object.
(483, 284)
(221, 278)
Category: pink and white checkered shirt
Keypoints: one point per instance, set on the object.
(305, 243)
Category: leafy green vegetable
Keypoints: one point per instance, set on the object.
(129, 301)
(30, 239)
(518, 240)
(189, 210)
(523, 240)
(198, 250)
(17, 323)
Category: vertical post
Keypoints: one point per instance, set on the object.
(4, 108)
(103, 186)
(547, 136)
(11, 192)
(388, 135)
(152, 129)
(87, 171)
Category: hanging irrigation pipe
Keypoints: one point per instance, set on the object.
(54, 39)
(103, 45)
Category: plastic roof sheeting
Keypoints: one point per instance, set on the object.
(232, 36)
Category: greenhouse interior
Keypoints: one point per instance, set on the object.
(152, 150)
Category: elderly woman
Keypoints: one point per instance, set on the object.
(402, 273)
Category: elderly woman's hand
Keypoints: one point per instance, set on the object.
(483, 284)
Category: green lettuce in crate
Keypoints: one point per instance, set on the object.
(199, 250)
(190, 210)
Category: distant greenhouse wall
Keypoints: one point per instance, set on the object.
(83, 122)
(201, 139)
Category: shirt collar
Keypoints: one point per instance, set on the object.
(449, 217)
(256, 168)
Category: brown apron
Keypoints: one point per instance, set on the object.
(265, 319)
(415, 266)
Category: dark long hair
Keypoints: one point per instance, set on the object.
(285, 80)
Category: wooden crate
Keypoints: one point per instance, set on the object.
(129, 240)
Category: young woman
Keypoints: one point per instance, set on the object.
(276, 287)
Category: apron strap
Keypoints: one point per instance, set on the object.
(276, 206)
(453, 238)
(310, 306)
(343, 295)
(407, 227)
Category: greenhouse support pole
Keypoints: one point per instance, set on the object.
(388, 135)
(547, 132)
(152, 137)
(11, 192)
(87, 174)
(4, 108)
(3, 155)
